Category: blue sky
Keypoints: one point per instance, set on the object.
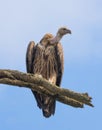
(22, 21)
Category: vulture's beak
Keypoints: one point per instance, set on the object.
(68, 31)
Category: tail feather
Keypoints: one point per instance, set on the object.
(47, 104)
(49, 109)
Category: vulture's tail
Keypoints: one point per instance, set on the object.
(46, 103)
(48, 108)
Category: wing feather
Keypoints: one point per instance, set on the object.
(30, 56)
(60, 63)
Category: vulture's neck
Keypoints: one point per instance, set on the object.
(56, 39)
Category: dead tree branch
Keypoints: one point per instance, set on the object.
(41, 85)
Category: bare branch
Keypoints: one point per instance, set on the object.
(37, 83)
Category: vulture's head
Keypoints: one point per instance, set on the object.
(63, 31)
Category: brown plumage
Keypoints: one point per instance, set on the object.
(46, 59)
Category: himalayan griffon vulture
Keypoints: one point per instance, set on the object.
(46, 59)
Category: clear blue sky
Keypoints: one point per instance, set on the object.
(25, 20)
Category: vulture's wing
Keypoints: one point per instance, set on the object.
(30, 56)
(60, 63)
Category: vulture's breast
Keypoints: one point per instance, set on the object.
(45, 62)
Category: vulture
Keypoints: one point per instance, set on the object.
(46, 59)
